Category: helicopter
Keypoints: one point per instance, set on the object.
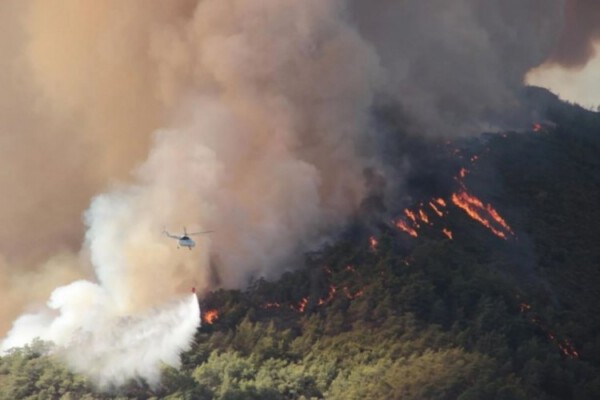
(185, 240)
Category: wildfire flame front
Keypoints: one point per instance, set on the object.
(210, 316)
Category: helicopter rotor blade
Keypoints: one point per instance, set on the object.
(199, 233)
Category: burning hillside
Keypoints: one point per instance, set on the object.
(433, 212)
(378, 298)
(291, 128)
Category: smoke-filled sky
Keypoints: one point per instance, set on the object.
(249, 117)
(582, 28)
(573, 68)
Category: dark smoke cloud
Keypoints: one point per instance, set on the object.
(581, 31)
(456, 66)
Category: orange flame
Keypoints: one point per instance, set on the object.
(424, 217)
(302, 304)
(448, 233)
(498, 218)
(373, 243)
(441, 202)
(436, 210)
(351, 296)
(565, 346)
(463, 172)
(210, 316)
(475, 209)
(329, 297)
(400, 224)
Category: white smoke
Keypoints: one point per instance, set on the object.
(96, 340)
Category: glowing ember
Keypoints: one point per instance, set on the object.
(373, 243)
(436, 210)
(441, 202)
(350, 268)
(565, 346)
(424, 217)
(537, 127)
(475, 158)
(477, 210)
(302, 304)
(448, 233)
(402, 225)
(329, 297)
(568, 349)
(210, 316)
(351, 296)
(463, 172)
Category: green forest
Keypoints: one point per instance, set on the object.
(382, 314)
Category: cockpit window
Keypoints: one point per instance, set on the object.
(185, 238)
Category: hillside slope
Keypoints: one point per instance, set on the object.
(444, 308)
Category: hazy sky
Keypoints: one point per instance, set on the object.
(573, 69)
(580, 85)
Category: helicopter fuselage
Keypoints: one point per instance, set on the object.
(185, 241)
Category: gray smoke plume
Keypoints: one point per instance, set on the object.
(456, 66)
(580, 34)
